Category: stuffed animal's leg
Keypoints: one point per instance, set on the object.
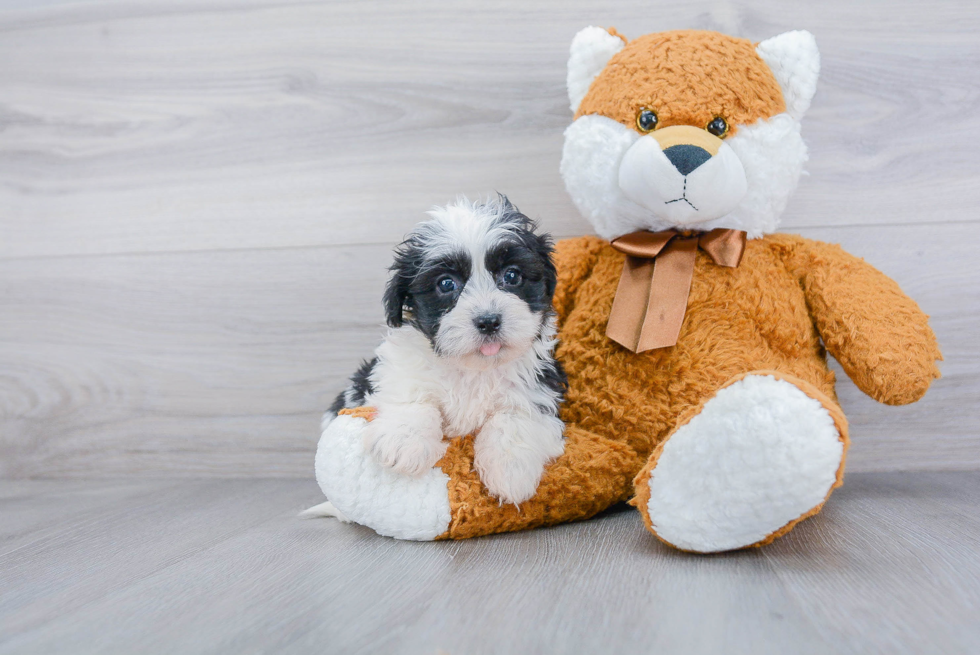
(365, 492)
(592, 474)
(450, 501)
(742, 469)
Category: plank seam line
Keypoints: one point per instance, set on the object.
(374, 244)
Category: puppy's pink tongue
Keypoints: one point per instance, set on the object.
(490, 349)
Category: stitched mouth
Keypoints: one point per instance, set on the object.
(683, 197)
(682, 200)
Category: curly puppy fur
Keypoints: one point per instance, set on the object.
(470, 350)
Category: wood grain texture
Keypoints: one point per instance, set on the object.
(150, 126)
(224, 566)
(171, 364)
(198, 201)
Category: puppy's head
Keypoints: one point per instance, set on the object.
(476, 279)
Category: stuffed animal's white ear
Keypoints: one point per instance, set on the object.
(795, 61)
(590, 52)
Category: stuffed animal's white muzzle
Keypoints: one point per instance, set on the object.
(683, 174)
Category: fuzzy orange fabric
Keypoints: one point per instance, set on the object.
(723, 76)
(364, 412)
(769, 314)
(586, 479)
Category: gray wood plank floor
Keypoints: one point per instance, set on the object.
(215, 566)
(198, 202)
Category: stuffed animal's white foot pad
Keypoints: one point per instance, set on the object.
(365, 492)
(759, 455)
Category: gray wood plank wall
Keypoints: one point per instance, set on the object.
(198, 200)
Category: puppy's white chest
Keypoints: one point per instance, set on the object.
(469, 399)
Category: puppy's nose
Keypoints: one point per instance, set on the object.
(487, 323)
(686, 158)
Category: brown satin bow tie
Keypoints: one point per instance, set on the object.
(651, 299)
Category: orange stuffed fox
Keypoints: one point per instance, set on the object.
(693, 336)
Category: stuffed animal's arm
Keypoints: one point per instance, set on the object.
(878, 334)
(574, 259)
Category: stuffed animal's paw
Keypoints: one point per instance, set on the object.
(407, 439)
(511, 452)
(378, 497)
(761, 455)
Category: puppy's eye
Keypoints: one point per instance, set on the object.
(446, 285)
(646, 120)
(512, 277)
(717, 126)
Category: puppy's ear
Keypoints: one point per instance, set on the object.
(395, 295)
(544, 248)
(398, 292)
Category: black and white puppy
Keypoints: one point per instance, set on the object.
(470, 349)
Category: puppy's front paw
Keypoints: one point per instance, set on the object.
(408, 440)
(511, 452)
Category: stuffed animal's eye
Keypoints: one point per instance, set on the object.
(717, 126)
(646, 120)
(512, 277)
(446, 284)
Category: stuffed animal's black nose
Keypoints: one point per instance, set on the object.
(686, 158)
(487, 323)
